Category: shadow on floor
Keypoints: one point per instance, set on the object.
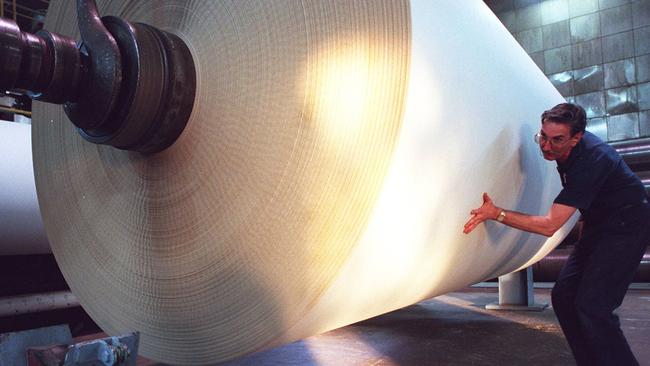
(453, 329)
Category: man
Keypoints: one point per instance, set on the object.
(616, 218)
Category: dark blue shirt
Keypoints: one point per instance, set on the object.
(596, 180)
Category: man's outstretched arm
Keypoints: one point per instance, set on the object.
(545, 225)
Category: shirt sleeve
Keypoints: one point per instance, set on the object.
(585, 179)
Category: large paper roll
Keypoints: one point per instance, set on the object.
(333, 154)
(21, 227)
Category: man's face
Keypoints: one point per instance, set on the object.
(556, 141)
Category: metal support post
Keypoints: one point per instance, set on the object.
(516, 292)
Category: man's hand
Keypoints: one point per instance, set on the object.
(544, 225)
(488, 211)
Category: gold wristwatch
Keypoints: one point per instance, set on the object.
(502, 216)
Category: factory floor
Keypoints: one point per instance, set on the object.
(455, 329)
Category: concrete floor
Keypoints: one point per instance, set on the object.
(455, 329)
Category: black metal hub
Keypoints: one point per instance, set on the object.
(127, 85)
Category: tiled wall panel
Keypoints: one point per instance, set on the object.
(643, 68)
(554, 11)
(641, 13)
(618, 46)
(538, 58)
(598, 126)
(585, 28)
(623, 127)
(531, 40)
(644, 96)
(589, 79)
(619, 73)
(644, 123)
(556, 34)
(582, 7)
(563, 82)
(587, 53)
(557, 59)
(642, 41)
(594, 103)
(529, 17)
(616, 20)
(604, 4)
(622, 100)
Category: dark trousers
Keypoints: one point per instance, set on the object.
(592, 285)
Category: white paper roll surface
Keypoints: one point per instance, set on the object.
(473, 105)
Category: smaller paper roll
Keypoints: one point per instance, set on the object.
(21, 226)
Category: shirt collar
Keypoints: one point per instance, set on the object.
(573, 155)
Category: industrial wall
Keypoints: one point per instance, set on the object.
(595, 52)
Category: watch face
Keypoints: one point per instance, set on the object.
(502, 215)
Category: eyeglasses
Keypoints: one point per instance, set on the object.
(555, 142)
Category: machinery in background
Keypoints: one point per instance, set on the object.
(29, 15)
(110, 351)
(54, 346)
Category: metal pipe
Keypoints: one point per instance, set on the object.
(548, 269)
(631, 145)
(16, 111)
(14, 3)
(636, 153)
(27, 304)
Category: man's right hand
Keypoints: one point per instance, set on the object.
(487, 211)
